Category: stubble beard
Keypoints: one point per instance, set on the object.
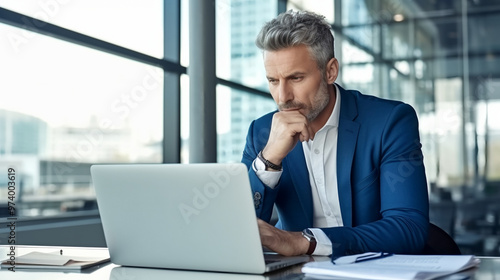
(321, 100)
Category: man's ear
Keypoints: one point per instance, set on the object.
(332, 70)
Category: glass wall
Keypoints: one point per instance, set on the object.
(65, 106)
(239, 60)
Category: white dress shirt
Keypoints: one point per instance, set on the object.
(321, 160)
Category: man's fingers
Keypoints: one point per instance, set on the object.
(265, 232)
(288, 128)
(311, 133)
(280, 241)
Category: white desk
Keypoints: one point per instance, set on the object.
(488, 270)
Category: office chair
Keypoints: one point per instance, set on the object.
(440, 243)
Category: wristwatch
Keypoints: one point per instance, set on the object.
(312, 240)
(269, 164)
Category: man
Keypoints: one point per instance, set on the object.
(344, 170)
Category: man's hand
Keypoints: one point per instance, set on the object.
(286, 243)
(287, 128)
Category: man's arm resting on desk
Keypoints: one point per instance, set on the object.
(395, 234)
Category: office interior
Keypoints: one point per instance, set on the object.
(179, 81)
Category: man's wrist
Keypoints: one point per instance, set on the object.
(309, 236)
(324, 244)
(269, 178)
(269, 164)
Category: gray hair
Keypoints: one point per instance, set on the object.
(291, 29)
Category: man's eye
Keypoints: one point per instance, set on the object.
(296, 78)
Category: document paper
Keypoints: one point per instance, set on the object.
(54, 261)
(419, 267)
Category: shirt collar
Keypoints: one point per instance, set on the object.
(333, 120)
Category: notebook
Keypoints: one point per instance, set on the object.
(182, 216)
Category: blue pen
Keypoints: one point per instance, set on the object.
(361, 258)
(373, 257)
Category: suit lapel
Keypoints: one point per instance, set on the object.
(300, 178)
(346, 145)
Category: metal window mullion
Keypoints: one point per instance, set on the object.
(171, 146)
(202, 82)
(32, 24)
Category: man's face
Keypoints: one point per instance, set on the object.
(295, 82)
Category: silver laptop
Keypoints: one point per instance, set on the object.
(182, 216)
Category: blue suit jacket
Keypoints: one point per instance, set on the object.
(381, 179)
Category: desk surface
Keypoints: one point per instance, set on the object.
(488, 269)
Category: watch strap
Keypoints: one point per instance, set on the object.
(268, 163)
(312, 241)
(312, 247)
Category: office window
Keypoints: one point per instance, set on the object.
(236, 110)
(131, 24)
(366, 37)
(238, 59)
(323, 7)
(184, 90)
(65, 107)
(396, 43)
(424, 53)
(184, 52)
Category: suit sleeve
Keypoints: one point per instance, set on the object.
(404, 205)
(263, 195)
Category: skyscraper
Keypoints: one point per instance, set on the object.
(247, 17)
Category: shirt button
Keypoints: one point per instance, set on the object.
(328, 213)
(316, 151)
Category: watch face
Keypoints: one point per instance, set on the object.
(308, 234)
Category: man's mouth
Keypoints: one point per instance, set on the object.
(291, 107)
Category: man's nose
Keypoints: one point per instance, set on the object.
(285, 92)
